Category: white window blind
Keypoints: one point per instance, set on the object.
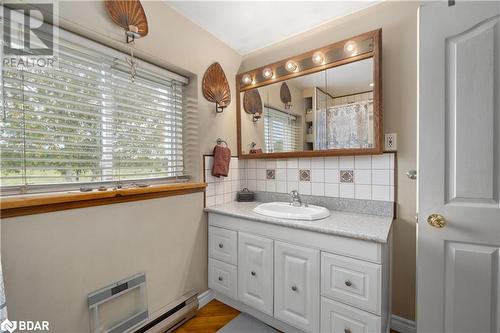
(281, 131)
(85, 122)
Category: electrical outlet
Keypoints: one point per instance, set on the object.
(391, 142)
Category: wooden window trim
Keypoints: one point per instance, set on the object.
(30, 204)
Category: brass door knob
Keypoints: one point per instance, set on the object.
(436, 220)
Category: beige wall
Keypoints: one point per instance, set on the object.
(52, 261)
(398, 21)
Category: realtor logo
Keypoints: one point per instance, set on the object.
(24, 325)
(29, 40)
(8, 325)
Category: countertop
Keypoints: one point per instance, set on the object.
(360, 226)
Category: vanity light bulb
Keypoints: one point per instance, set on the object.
(318, 58)
(350, 47)
(372, 84)
(246, 79)
(267, 73)
(291, 66)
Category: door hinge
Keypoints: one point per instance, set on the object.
(451, 3)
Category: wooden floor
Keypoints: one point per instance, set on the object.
(211, 318)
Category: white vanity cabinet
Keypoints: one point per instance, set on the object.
(299, 280)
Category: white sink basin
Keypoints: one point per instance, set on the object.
(286, 211)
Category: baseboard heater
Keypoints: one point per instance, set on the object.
(172, 316)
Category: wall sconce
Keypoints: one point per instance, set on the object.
(291, 66)
(267, 73)
(318, 58)
(252, 104)
(215, 87)
(132, 18)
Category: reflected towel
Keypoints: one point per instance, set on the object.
(222, 157)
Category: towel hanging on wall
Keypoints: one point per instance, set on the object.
(222, 158)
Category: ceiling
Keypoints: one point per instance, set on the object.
(247, 26)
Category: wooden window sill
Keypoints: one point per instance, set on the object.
(30, 204)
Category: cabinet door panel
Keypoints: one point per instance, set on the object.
(296, 286)
(255, 272)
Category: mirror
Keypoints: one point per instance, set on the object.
(332, 111)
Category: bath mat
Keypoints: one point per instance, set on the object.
(245, 323)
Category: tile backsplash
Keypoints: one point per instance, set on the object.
(223, 189)
(367, 177)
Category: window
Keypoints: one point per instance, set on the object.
(281, 132)
(86, 122)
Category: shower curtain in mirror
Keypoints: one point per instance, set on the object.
(345, 126)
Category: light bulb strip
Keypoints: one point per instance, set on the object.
(359, 47)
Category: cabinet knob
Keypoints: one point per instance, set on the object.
(294, 288)
(346, 330)
(253, 273)
(221, 245)
(220, 278)
(348, 283)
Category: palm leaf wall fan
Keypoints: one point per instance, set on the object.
(252, 104)
(130, 15)
(216, 88)
(285, 95)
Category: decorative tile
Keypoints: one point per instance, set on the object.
(346, 176)
(305, 175)
(270, 174)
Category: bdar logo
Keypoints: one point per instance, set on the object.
(8, 325)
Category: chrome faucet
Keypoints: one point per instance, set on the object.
(295, 199)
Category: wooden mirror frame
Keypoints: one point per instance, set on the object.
(375, 53)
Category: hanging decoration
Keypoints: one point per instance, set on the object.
(130, 15)
(252, 104)
(216, 87)
(285, 96)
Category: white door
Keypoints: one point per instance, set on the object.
(296, 286)
(459, 162)
(255, 272)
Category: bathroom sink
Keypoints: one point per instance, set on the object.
(286, 211)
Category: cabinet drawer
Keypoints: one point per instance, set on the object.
(255, 272)
(222, 278)
(222, 245)
(339, 318)
(351, 281)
